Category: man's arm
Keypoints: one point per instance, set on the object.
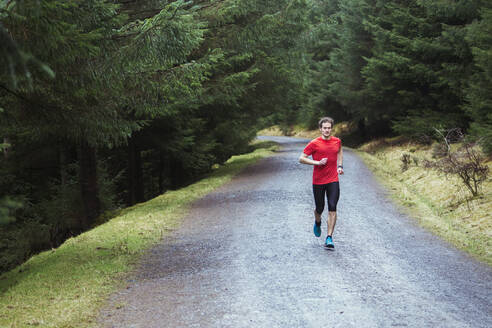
(305, 160)
(340, 161)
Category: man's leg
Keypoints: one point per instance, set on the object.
(317, 217)
(330, 222)
(319, 200)
(333, 194)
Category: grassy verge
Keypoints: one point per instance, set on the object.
(65, 287)
(440, 203)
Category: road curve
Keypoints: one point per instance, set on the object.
(245, 256)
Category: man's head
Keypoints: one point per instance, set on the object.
(325, 126)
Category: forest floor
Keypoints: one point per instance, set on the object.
(438, 202)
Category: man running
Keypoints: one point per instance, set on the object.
(327, 158)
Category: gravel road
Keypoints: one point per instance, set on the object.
(245, 256)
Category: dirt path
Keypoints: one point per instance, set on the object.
(246, 257)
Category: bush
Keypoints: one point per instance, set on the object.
(466, 161)
(439, 150)
(7, 207)
(405, 162)
(421, 126)
(49, 221)
(19, 241)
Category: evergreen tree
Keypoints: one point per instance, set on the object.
(144, 96)
(353, 46)
(319, 44)
(415, 76)
(479, 91)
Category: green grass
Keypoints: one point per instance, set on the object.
(65, 287)
(439, 203)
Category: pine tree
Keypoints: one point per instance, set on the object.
(353, 46)
(415, 76)
(479, 91)
(319, 44)
(120, 101)
(74, 109)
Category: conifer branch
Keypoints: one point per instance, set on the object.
(12, 92)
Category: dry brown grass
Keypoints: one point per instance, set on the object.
(440, 203)
(271, 131)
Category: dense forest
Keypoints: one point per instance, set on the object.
(104, 104)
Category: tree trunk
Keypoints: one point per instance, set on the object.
(6, 150)
(63, 165)
(135, 178)
(161, 172)
(361, 126)
(88, 184)
(176, 174)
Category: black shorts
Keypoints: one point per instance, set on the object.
(332, 191)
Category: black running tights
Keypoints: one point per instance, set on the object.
(332, 191)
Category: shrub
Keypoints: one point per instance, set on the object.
(466, 161)
(405, 162)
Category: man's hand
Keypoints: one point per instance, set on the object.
(340, 170)
(323, 161)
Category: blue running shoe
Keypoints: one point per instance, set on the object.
(317, 229)
(329, 243)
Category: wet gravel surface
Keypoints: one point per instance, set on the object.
(245, 256)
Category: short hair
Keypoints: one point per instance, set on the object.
(324, 120)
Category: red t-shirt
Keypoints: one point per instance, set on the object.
(320, 148)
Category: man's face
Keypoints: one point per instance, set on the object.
(326, 129)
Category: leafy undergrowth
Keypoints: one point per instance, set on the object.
(65, 287)
(440, 203)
